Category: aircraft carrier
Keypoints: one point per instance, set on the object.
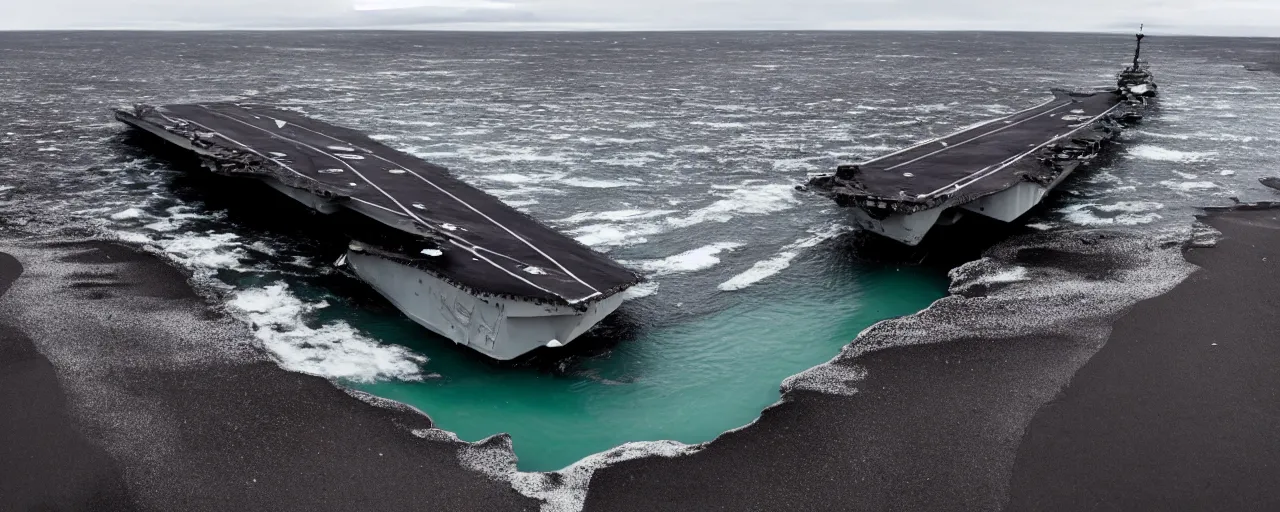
(999, 168)
(461, 262)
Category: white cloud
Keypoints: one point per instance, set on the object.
(1227, 17)
(375, 5)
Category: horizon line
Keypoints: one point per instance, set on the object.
(614, 30)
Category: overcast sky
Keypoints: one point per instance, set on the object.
(1208, 17)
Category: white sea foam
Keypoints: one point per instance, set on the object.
(521, 178)
(630, 159)
(712, 124)
(1130, 213)
(614, 216)
(1189, 186)
(1159, 135)
(644, 289)
(209, 250)
(521, 154)
(1130, 206)
(606, 235)
(131, 213)
(1227, 173)
(559, 491)
(594, 183)
(746, 198)
(334, 350)
(1157, 153)
(762, 270)
(694, 260)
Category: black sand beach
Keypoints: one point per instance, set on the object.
(1176, 411)
(1161, 418)
(1179, 411)
(112, 401)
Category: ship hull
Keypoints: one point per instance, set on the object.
(455, 259)
(911, 228)
(499, 328)
(1000, 169)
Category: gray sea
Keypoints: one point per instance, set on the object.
(676, 153)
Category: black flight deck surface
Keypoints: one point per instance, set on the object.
(483, 244)
(979, 160)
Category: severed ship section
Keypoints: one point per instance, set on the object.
(999, 168)
(453, 258)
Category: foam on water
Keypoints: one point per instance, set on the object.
(641, 290)
(583, 182)
(1124, 213)
(746, 199)
(203, 252)
(334, 350)
(614, 216)
(762, 270)
(754, 199)
(1150, 152)
(131, 213)
(603, 236)
(520, 178)
(1189, 186)
(694, 260)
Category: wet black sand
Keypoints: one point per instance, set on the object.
(1159, 419)
(934, 427)
(113, 414)
(1180, 410)
(46, 461)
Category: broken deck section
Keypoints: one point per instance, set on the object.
(468, 237)
(999, 168)
(980, 160)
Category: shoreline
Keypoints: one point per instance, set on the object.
(1179, 410)
(174, 396)
(935, 423)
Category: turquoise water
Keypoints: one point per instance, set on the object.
(687, 381)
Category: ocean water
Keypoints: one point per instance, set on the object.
(675, 153)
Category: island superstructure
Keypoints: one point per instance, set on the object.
(463, 263)
(999, 168)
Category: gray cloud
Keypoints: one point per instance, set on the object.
(1223, 17)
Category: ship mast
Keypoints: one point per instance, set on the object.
(1137, 52)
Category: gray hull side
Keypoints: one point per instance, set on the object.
(1007, 206)
(494, 326)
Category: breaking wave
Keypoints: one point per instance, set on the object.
(694, 260)
(762, 270)
(1149, 152)
(334, 350)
